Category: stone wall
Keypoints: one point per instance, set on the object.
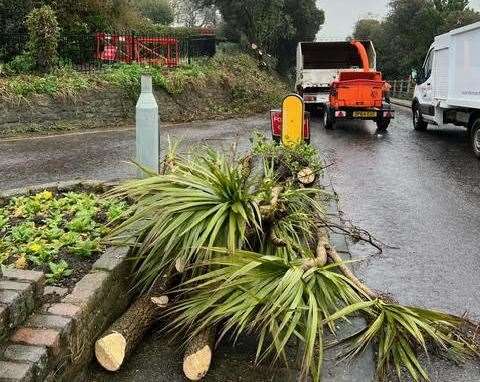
(89, 110)
(111, 107)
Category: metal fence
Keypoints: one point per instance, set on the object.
(402, 88)
(88, 52)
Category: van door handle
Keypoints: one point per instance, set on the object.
(429, 84)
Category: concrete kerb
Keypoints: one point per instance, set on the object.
(361, 368)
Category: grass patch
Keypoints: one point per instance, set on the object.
(63, 82)
(222, 87)
(52, 232)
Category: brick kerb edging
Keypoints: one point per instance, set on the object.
(65, 332)
(56, 343)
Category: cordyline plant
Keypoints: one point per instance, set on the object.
(246, 237)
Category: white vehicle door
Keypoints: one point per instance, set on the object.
(427, 88)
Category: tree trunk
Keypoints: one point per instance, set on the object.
(306, 176)
(198, 355)
(114, 346)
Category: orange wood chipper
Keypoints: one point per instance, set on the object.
(359, 94)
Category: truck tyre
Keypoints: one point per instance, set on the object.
(328, 119)
(475, 137)
(418, 123)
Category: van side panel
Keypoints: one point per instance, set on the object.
(465, 58)
(441, 66)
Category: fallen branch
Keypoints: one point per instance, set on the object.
(114, 346)
(355, 233)
(198, 355)
(322, 243)
(347, 272)
(268, 211)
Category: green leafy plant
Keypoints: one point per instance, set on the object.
(58, 271)
(276, 299)
(204, 202)
(43, 33)
(400, 330)
(24, 232)
(85, 248)
(3, 221)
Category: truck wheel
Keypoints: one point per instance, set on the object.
(382, 124)
(475, 137)
(418, 123)
(328, 119)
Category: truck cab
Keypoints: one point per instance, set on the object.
(448, 84)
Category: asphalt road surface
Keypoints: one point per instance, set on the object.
(417, 192)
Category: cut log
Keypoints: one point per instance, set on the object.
(306, 176)
(114, 346)
(180, 265)
(198, 355)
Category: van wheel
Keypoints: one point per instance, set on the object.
(328, 119)
(475, 137)
(418, 123)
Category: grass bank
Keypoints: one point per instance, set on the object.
(222, 87)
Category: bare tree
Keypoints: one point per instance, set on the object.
(191, 13)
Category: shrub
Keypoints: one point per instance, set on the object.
(43, 33)
(158, 11)
(23, 63)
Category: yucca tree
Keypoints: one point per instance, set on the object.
(276, 299)
(400, 332)
(279, 300)
(203, 202)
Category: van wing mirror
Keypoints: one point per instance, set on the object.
(414, 74)
(418, 76)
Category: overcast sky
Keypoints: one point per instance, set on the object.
(341, 15)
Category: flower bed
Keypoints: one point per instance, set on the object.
(45, 335)
(57, 233)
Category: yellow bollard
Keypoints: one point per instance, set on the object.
(293, 114)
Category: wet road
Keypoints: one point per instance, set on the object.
(105, 154)
(419, 192)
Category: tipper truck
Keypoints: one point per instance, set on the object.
(319, 64)
(448, 84)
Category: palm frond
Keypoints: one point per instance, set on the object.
(278, 300)
(400, 332)
(206, 202)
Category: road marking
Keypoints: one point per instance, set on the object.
(38, 137)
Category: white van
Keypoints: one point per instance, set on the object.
(448, 84)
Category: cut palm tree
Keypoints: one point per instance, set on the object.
(276, 299)
(399, 331)
(176, 217)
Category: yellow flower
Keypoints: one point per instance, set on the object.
(45, 195)
(34, 247)
(18, 212)
(21, 262)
